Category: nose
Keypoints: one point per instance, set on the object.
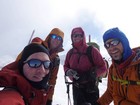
(111, 47)
(42, 70)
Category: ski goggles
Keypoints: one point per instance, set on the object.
(54, 36)
(36, 63)
(77, 35)
(114, 42)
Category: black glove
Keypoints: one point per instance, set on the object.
(97, 103)
(49, 102)
(92, 76)
(87, 77)
(56, 61)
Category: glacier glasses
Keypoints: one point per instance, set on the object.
(114, 42)
(36, 63)
(54, 36)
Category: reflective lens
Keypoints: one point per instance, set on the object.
(114, 42)
(36, 63)
(77, 35)
(53, 36)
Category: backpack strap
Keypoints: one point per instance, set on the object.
(88, 53)
(70, 53)
(125, 82)
(138, 71)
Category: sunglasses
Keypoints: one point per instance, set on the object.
(77, 35)
(114, 42)
(53, 36)
(36, 63)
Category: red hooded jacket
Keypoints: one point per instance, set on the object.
(12, 79)
(80, 62)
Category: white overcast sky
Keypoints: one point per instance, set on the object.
(18, 18)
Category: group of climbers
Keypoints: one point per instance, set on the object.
(31, 78)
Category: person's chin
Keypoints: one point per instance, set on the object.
(37, 79)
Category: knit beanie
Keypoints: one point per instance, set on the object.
(27, 51)
(115, 33)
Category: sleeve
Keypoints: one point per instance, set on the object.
(66, 63)
(107, 97)
(121, 101)
(12, 66)
(98, 62)
(10, 78)
(52, 81)
(7, 78)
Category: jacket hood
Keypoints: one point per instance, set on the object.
(115, 33)
(78, 30)
(58, 32)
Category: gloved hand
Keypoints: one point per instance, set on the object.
(72, 73)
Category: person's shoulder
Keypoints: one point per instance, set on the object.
(94, 49)
(136, 50)
(70, 50)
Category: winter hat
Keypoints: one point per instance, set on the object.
(58, 32)
(31, 49)
(115, 33)
(78, 30)
(27, 51)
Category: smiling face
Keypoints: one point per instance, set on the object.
(36, 74)
(115, 51)
(77, 37)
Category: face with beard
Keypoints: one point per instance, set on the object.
(114, 48)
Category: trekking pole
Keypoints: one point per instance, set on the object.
(31, 37)
(68, 90)
(69, 100)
